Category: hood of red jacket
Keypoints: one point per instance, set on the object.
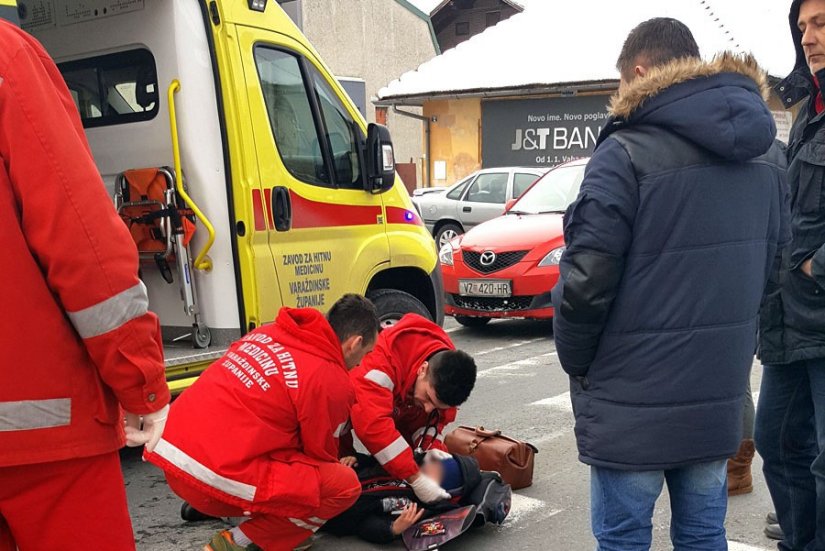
(308, 330)
(409, 343)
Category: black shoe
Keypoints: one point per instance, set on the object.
(190, 514)
(771, 518)
(774, 532)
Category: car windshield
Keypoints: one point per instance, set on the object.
(553, 193)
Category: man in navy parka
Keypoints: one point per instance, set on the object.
(678, 223)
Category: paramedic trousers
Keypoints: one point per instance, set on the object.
(73, 504)
(340, 489)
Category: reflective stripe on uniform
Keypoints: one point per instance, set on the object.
(380, 378)
(392, 451)
(112, 313)
(316, 520)
(35, 414)
(203, 473)
(342, 428)
(301, 524)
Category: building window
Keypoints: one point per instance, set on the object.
(493, 17)
(462, 28)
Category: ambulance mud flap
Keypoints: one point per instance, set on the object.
(435, 531)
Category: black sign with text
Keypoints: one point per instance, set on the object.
(540, 132)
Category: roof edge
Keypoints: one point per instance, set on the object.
(425, 17)
(571, 88)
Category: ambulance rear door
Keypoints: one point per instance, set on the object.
(326, 232)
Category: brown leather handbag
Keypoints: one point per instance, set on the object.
(511, 458)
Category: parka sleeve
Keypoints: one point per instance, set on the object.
(598, 229)
(85, 251)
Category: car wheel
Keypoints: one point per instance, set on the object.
(393, 304)
(468, 321)
(447, 233)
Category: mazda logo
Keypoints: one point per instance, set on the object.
(487, 258)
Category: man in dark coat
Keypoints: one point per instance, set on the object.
(790, 423)
(669, 246)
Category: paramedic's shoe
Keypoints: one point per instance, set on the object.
(223, 542)
(190, 514)
(304, 545)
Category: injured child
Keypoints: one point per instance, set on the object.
(387, 506)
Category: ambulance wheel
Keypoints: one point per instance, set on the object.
(201, 336)
(468, 321)
(393, 304)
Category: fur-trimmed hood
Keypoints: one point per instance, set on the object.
(718, 104)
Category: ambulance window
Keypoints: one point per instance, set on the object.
(114, 88)
(344, 134)
(290, 115)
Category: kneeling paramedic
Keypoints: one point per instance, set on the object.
(257, 435)
(407, 390)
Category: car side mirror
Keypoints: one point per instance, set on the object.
(509, 205)
(380, 159)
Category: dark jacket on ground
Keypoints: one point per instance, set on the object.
(792, 325)
(383, 496)
(669, 246)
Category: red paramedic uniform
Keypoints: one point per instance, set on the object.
(385, 417)
(257, 434)
(75, 325)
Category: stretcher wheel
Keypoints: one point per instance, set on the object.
(201, 336)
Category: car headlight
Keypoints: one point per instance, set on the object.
(553, 257)
(445, 255)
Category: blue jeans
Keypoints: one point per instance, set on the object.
(622, 505)
(790, 437)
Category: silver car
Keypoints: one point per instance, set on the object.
(477, 198)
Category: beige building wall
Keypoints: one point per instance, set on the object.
(378, 41)
(455, 138)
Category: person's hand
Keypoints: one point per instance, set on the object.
(409, 516)
(807, 267)
(427, 489)
(349, 461)
(149, 435)
(436, 455)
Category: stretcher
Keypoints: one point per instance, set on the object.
(162, 227)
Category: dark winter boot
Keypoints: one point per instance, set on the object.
(740, 480)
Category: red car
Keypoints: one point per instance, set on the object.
(506, 267)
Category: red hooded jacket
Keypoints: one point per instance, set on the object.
(253, 428)
(385, 417)
(74, 319)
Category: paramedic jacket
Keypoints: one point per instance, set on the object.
(74, 324)
(253, 429)
(670, 243)
(385, 418)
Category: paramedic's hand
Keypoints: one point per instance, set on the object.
(149, 436)
(427, 489)
(409, 516)
(436, 455)
(349, 461)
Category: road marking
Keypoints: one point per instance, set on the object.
(736, 546)
(560, 402)
(522, 506)
(507, 347)
(509, 369)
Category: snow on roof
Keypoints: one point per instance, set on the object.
(554, 43)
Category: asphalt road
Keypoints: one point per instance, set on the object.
(521, 390)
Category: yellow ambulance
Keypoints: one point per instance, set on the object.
(248, 178)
